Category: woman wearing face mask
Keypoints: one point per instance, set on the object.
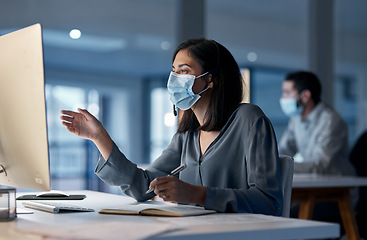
(229, 148)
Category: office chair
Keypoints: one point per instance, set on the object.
(358, 157)
(287, 166)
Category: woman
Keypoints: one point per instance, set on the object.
(229, 148)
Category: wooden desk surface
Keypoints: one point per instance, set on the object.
(311, 188)
(322, 181)
(214, 226)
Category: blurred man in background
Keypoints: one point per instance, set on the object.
(316, 135)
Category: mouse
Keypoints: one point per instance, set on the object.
(52, 193)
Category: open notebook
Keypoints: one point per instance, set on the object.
(156, 208)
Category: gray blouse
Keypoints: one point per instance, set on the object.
(240, 169)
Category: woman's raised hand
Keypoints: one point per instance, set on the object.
(85, 125)
(82, 123)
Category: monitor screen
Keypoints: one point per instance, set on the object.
(24, 156)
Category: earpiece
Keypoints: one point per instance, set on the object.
(174, 110)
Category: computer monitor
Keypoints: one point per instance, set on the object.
(24, 155)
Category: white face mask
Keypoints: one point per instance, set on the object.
(289, 106)
(180, 90)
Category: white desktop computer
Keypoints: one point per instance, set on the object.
(24, 152)
(24, 156)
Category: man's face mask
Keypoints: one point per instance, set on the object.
(290, 107)
(180, 90)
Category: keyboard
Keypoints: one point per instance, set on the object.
(55, 207)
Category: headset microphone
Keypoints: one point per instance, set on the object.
(174, 110)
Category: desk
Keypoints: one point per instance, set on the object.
(214, 226)
(310, 188)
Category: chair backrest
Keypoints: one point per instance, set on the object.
(287, 167)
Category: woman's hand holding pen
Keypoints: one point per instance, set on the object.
(172, 189)
(85, 125)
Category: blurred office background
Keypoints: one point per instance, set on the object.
(117, 62)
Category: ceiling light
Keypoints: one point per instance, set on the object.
(165, 45)
(88, 42)
(75, 34)
(252, 57)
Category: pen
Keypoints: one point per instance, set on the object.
(174, 172)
